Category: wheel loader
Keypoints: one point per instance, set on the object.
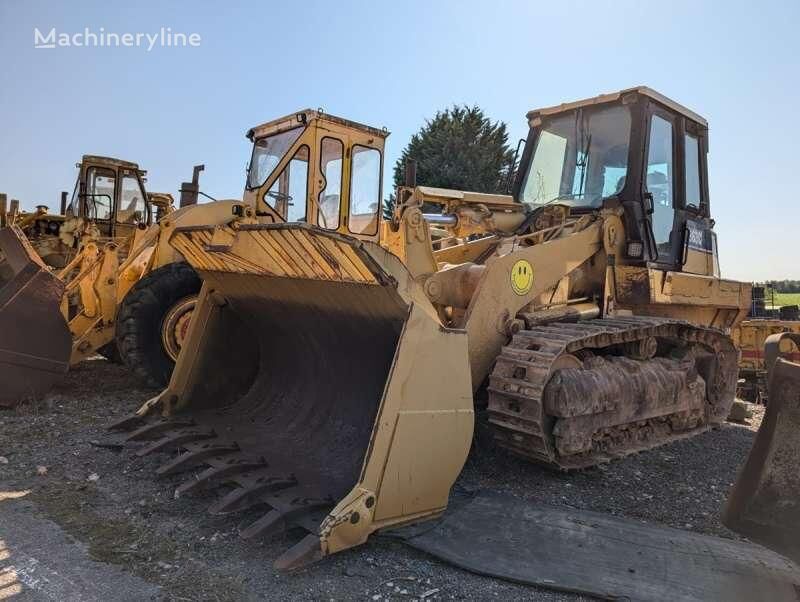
(97, 278)
(334, 365)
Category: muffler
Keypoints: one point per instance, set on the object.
(764, 504)
(35, 341)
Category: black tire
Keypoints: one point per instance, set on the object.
(141, 316)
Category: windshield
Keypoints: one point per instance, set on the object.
(581, 157)
(267, 153)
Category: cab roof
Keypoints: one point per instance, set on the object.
(614, 96)
(306, 116)
(111, 162)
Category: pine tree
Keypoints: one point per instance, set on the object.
(460, 148)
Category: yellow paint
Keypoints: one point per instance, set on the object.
(522, 277)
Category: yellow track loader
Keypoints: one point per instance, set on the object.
(124, 291)
(334, 363)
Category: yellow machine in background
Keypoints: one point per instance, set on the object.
(749, 337)
(334, 362)
(764, 503)
(98, 278)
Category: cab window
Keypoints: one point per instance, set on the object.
(99, 199)
(659, 182)
(692, 153)
(329, 199)
(132, 206)
(267, 153)
(289, 191)
(365, 190)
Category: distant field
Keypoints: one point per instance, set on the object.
(785, 299)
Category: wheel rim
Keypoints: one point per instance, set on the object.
(176, 326)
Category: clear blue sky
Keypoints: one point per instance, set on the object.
(394, 64)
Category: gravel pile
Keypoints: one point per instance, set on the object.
(108, 499)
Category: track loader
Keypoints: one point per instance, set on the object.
(122, 290)
(335, 362)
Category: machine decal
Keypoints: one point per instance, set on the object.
(522, 277)
(700, 238)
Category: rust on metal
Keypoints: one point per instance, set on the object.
(602, 405)
(35, 342)
(764, 504)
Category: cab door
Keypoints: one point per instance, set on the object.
(98, 197)
(365, 172)
(330, 186)
(347, 191)
(131, 209)
(661, 190)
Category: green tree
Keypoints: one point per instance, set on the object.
(460, 148)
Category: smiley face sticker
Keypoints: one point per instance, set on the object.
(522, 277)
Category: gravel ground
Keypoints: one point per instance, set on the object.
(107, 500)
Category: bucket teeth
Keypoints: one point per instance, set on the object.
(127, 423)
(154, 429)
(246, 497)
(176, 439)
(306, 551)
(278, 520)
(196, 453)
(222, 469)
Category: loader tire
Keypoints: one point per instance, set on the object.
(141, 317)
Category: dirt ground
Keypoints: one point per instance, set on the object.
(67, 500)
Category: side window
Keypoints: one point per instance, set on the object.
(100, 184)
(543, 182)
(267, 153)
(692, 152)
(660, 174)
(74, 206)
(132, 206)
(331, 165)
(289, 192)
(365, 190)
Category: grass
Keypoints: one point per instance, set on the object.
(785, 299)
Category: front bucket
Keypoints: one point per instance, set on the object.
(764, 504)
(323, 383)
(35, 342)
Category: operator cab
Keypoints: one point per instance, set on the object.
(317, 168)
(635, 148)
(110, 192)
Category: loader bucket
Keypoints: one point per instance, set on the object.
(35, 342)
(316, 381)
(764, 504)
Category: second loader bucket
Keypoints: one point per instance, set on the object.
(35, 342)
(764, 504)
(317, 381)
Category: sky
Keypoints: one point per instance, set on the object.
(394, 64)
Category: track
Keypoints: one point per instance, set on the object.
(570, 396)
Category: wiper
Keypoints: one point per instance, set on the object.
(582, 156)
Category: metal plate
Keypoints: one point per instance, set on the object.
(600, 555)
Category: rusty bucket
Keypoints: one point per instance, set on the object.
(764, 504)
(35, 341)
